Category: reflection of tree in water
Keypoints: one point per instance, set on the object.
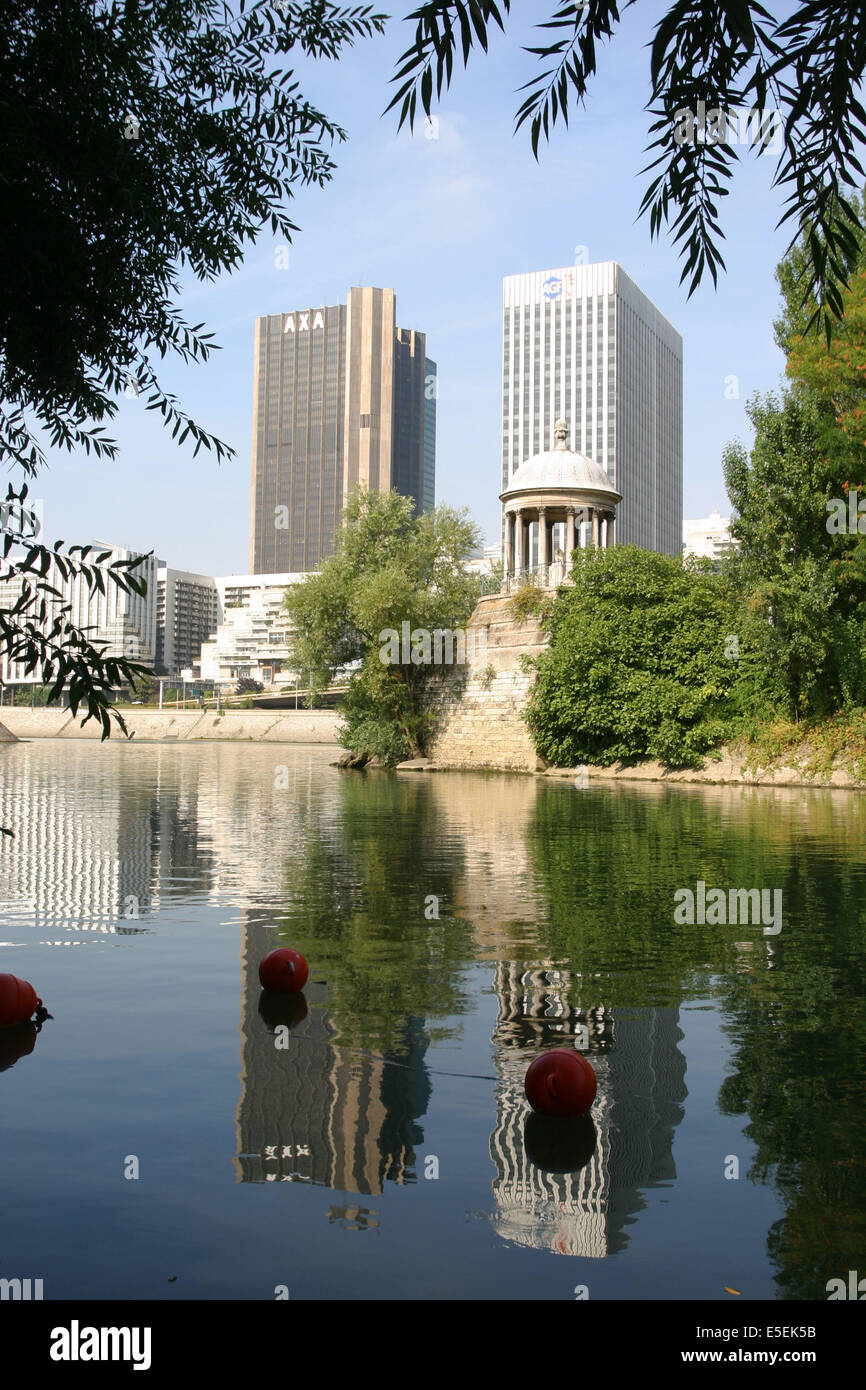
(355, 891)
(324, 1110)
(608, 864)
(799, 1032)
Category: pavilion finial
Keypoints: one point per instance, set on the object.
(560, 434)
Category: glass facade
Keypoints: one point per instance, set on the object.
(431, 388)
(338, 397)
(297, 439)
(584, 343)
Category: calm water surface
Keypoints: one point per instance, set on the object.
(383, 1150)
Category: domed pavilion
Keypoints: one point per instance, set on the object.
(560, 500)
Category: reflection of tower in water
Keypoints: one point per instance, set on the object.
(640, 1074)
(315, 1111)
(81, 857)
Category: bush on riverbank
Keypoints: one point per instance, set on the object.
(637, 664)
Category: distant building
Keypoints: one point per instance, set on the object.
(187, 613)
(482, 561)
(585, 344)
(709, 536)
(120, 624)
(251, 636)
(341, 396)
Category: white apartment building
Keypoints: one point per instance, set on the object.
(250, 640)
(187, 612)
(709, 536)
(585, 344)
(121, 624)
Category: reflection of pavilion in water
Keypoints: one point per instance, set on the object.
(318, 1112)
(640, 1073)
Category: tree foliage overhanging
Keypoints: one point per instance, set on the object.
(141, 138)
(806, 64)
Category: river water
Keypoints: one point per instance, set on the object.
(172, 1133)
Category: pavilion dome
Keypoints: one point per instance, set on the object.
(561, 470)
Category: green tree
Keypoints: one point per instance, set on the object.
(637, 664)
(143, 690)
(803, 598)
(390, 568)
(729, 55)
(795, 313)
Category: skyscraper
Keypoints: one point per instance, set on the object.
(585, 344)
(340, 398)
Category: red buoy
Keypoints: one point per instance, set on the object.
(18, 1000)
(560, 1083)
(284, 971)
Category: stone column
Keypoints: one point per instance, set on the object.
(611, 529)
(542, 544)
(518, 541)
(509, 544)
(569, 537)
(595, 527)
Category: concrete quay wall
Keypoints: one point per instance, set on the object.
(168, 725)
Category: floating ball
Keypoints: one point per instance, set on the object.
(18, 1000)
(284, 971)
(560, 1083)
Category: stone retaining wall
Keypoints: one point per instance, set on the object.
(479, 705)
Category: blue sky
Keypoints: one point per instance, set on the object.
(442, 221)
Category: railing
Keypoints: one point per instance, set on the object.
(490, 584)
(544, 576)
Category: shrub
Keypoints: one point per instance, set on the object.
(636, 667)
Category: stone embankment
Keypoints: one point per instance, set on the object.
(728, 766)
(478, 705)
(187, 726)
